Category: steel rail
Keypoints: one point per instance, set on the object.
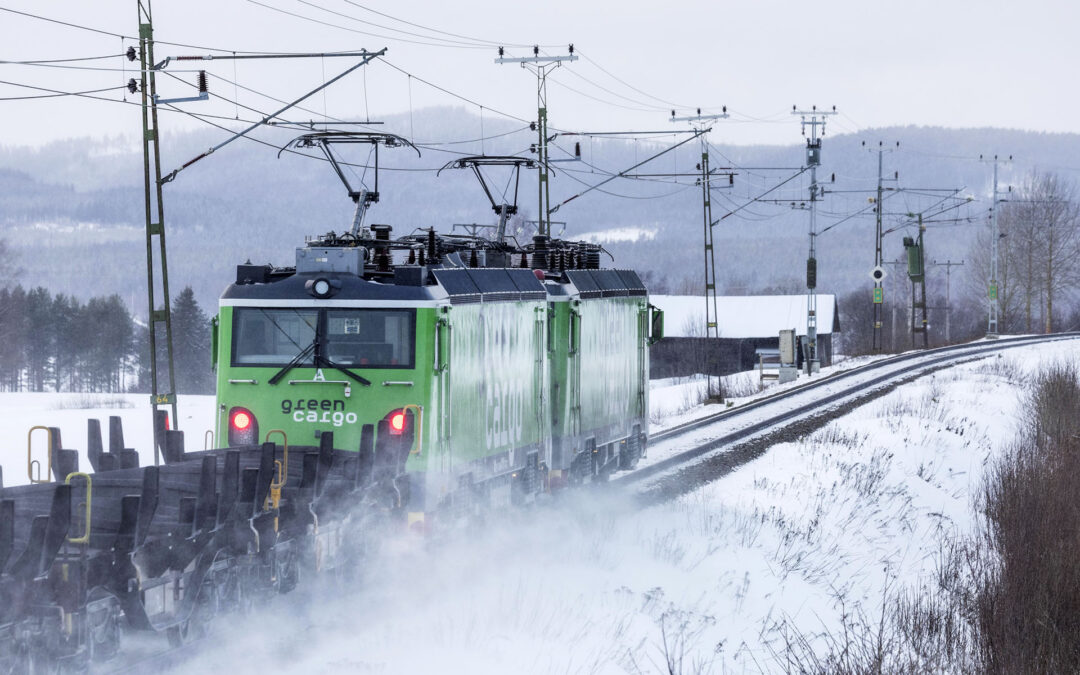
(938, 357)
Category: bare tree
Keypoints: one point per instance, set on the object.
(1043, 227)
(1060, 240)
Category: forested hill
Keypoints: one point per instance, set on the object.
(72, 211)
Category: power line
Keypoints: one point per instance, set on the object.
(490, 43)
(455, 95)
(78, 58)
(56, 92)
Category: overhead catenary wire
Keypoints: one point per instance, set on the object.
(608, 180)
(357, 30)
(129, 37)
(490, 43)
(55, 93)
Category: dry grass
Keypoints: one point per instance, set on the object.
(1004, 601)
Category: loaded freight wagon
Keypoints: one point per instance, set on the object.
(471, 384)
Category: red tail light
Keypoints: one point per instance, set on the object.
(241, 421)
(243, 427)
(397, 422)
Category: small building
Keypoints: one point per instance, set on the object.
(746, 323)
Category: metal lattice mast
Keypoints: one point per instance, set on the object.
(878, 272)
(993, 311)
(161, 394)
(812, 118)
(921, 326)
(879, 291)
(712, 324)
(542, 64)
(948, 265)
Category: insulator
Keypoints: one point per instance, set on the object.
(412, 257)
(532, 127)
(672, 114)
(501, 51)
(699, 112)
(536, 50)
(834, 178)
(725, 109)
(540, 259)
(577, 149)
(571, 47)
(131, 54)
(202, 82)
(731, 179)
(474, 261)
(524, 261)
(811, 272)
(420, 259)
(432, 250)
(570, 260)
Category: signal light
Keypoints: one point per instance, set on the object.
(397, 422)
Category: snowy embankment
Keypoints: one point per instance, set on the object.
(795, 543)
(798, 542)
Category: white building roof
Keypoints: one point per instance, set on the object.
(744, 316)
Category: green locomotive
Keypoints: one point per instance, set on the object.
(465, 378)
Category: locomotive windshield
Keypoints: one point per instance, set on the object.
(359, 338)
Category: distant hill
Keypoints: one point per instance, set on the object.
(73, 210)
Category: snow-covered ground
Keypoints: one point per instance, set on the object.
(807, 534)
(810, 532)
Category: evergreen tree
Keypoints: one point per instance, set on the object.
(40, 337)
(12, 336)
(191, 345)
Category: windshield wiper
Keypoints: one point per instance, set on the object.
(337, 366)
(295, 361)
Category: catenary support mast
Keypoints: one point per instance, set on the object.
(542, 64)
(162, 392)
(712, 324)
(812, 118)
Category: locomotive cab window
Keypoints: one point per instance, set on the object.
(353, 338)
(272, 337)
(371, 338)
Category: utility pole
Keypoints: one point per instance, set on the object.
(878, 272)
(712, 326)
(812, 118)
(542, 64)
(161, 394)
(948, 265)
(993, 311)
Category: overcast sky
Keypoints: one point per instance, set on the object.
(957, 64)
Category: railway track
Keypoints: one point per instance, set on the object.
(771, 412)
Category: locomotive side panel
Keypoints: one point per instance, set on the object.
(610, 380)
(497, 363)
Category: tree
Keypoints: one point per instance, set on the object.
(12, 337)
(191, 345)
(1042, 225)
(9, 269)
(40, 337)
